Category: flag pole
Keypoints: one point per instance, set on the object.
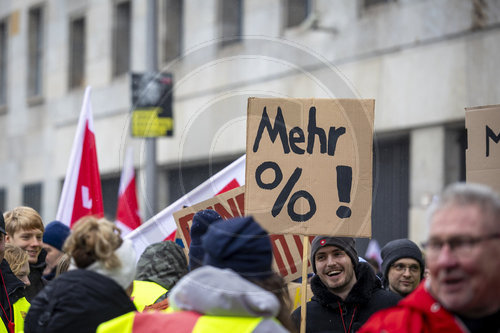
(303, 299)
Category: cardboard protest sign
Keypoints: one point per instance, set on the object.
(483, 146)
(309, 165)
(287, 249)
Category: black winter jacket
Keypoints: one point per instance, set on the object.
(365, 298)
(15, 290)
(77, 301)
(35, 276)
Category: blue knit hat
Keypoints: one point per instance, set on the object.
(241, 245)
(55, 234)
(201, 221)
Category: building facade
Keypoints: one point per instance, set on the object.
(423, 61)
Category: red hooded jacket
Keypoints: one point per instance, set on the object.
(419, 312)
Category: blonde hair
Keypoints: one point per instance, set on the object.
(63, 264)
(92, 240)
(22, 218)
(16, 257)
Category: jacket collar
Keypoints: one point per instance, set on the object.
(40, 263)
(360, 293)
(12, 283)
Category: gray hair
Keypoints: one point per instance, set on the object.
(461, 194)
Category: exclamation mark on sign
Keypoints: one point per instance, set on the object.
(344, 182)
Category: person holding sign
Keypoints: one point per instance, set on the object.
(346, 291)
(462, 293)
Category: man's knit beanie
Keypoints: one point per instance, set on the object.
(397, 249)
(346, 244)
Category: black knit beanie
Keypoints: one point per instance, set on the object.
(346, 244)
(401, 248)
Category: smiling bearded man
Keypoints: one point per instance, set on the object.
(346, 291)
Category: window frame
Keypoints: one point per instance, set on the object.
(36, 54)
(118, 68)
(76, 79)
(4, 62)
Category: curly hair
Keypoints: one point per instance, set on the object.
(93, 239)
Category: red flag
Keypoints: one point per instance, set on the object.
(82, 194)
(127, 213)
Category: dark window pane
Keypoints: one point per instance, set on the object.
(185, 179)
(173, 25)
(369, 3)
(32, 196)
(3, 200)
(297, 11)
(121, 39)
(231, 14)
(35, 51)
(391, 176)
(77, 53)
(110, 196)
(3, 62)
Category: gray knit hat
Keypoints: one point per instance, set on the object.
(401, 248)
(347, 244)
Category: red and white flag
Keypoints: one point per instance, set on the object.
(162, 226)
(373, 251)
(82, 194)
(127, 212)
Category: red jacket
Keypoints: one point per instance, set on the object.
(419, 312)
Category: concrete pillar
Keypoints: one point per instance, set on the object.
(427, 166)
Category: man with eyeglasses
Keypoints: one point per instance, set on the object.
(402, 266)
(462, 293)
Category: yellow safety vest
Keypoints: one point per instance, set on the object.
(21, 308)
(146, 293)
(210, 324)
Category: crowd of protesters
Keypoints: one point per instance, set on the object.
(90, 279)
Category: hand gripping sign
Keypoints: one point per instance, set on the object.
(309, 165)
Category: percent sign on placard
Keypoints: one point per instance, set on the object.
(344, 181)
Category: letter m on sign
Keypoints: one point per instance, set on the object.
(490, 135)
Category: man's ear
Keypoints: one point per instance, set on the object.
(7, 238)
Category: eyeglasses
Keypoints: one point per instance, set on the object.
(460, 245)
(402, 268)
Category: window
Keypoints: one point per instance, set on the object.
(230, 20)
(369, 3)
(172, 35)
(296, 12)
(77, 53)
(110, 187)
(3, 63)
(35, 52)
(32, 196)
(121, 38)
(186, 178)
(3, 199)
